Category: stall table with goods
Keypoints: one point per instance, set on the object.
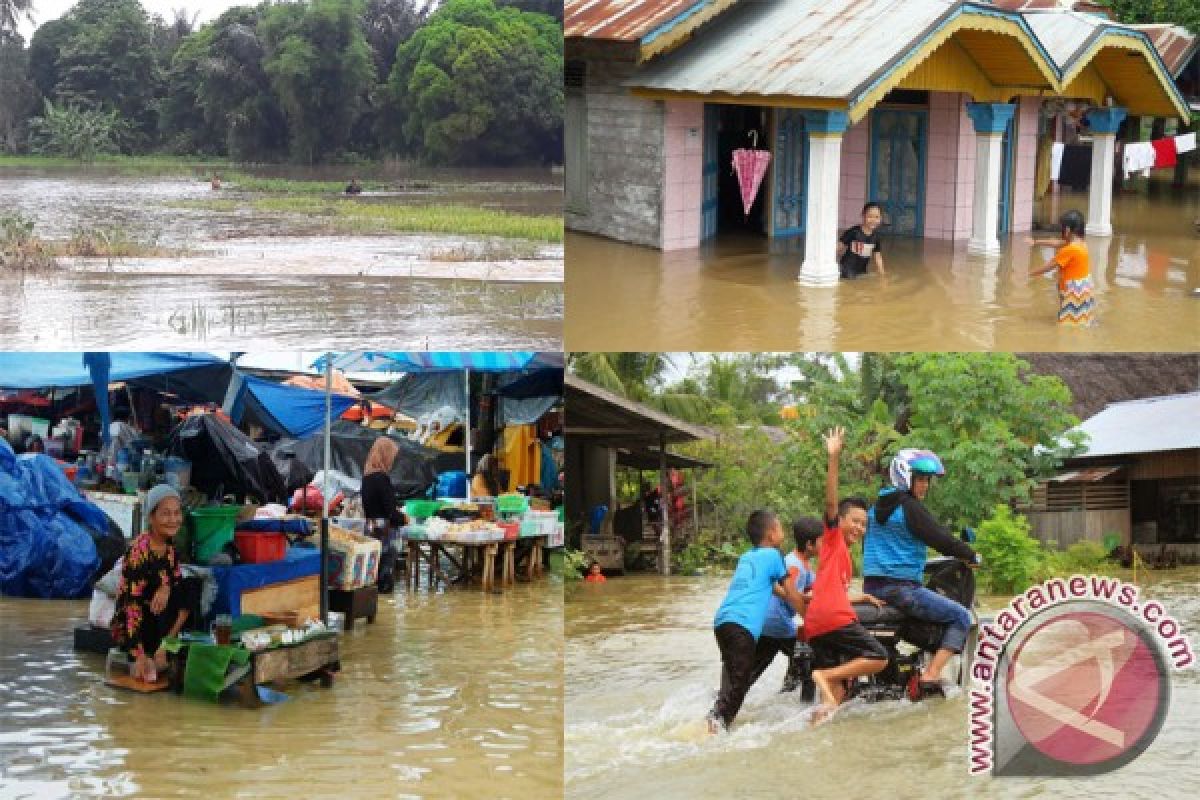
(246, 653)
(474, 539)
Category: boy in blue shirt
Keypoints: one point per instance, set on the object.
(779, 633)
(760, 574)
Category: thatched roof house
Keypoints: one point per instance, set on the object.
(1095, 380)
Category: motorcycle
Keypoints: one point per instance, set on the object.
(909, 642)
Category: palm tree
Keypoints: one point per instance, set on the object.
(640, 377)
(12, 10)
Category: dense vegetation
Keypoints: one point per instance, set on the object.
(470, 82)
(996, 424)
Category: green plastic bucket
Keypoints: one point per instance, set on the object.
(211, 529)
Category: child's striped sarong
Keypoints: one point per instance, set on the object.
(1076, 304)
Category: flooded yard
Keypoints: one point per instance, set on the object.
(228, 272)
(740, 294)
(450, 694)
(644, 669)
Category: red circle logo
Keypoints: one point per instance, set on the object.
(1084, 688)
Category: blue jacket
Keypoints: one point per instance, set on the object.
(899, 530)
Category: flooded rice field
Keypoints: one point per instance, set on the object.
(643, 669)
(452, 694)
(738, 294)
(280, 278)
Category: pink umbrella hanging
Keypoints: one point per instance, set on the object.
(750, 165)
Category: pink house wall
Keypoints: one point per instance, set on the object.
(1025, 165)
(683, 176)
(852, 192)
(950, 169)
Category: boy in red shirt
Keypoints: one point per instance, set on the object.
(830, 623)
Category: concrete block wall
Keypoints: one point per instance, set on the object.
(624, 153)
(856, 160)
(1025, 164)
(683, 174)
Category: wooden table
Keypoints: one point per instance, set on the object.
(316, 658)
(481, 557)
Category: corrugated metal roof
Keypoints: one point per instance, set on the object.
(1088, 475)
(623, 20)
(1175, 44)
(797, 48)
(1151, 425)
(1066, 34)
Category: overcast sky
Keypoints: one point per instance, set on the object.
(46, 10)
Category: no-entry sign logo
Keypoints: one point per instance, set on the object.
(1067, 684)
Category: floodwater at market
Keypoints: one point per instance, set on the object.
(643, 669)
(732, 295)
(450, 694)
(253, 277)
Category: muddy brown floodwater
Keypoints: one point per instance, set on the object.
(282, 280)
(643, 668)
(734, 295)
(452, 694)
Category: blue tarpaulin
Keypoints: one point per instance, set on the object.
(391, 361)
(98, 370)
(289, 410)
(60, 370)
(47, 529)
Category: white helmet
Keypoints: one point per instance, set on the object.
(909, 462)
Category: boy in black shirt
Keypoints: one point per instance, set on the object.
(859, 245)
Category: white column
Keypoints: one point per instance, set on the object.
(985, 218)
(990, 120)
(1104, 123)
(825, 129)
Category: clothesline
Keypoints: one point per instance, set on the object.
(1157, 154)
(1138, 156)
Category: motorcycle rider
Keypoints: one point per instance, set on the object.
(899, 529)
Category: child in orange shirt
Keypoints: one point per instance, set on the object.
(1076, 304)
(595, 574)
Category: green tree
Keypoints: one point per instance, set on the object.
(481, 85)
(231, 87)
(387, 24)
(996, 426)
(109, 62)
(76, 133)
(320, 67)
(18, 95)
(45, 52)
(641, 377)
(1176, 12)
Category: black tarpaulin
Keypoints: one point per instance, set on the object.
(225, 460)
(412, 474)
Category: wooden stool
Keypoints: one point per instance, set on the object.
(360, 603)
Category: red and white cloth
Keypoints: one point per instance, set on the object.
(1164, 153)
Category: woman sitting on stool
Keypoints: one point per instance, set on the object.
(150, 601)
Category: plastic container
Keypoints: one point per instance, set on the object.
(421, 510)
(256, 547)
(130, 481)
(509, 504)
(511, 529)
(452, 484)
(212, 529)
